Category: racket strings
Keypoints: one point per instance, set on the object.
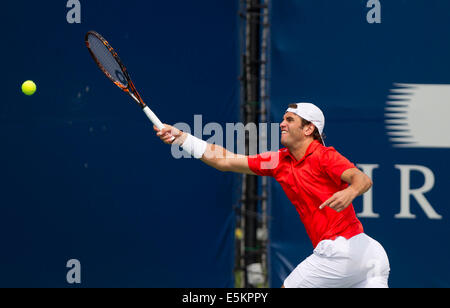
(106, 60)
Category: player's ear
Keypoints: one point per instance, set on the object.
(309, 129)
(305, 129)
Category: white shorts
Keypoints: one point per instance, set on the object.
(359, 262)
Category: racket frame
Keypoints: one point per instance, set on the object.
(130, 89)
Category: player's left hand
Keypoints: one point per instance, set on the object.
(340, 200)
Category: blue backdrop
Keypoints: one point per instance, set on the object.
(84, 177)
(326, 52)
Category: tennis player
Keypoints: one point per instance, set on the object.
(321, 184)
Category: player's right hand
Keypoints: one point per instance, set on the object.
(168, 133)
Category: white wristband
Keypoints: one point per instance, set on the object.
(194, 146)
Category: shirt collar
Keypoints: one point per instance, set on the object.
(311, 148)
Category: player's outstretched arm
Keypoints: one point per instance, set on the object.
(211, 154)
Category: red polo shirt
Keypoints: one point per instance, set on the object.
(308, 183)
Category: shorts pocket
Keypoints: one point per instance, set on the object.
(333, 248)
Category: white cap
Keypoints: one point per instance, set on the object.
(311, 113)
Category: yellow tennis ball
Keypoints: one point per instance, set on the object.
(28, 87)
(238, 233)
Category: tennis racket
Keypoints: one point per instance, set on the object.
(111, 65)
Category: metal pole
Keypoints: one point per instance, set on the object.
(252, 255)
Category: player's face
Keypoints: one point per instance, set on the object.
(292, 130)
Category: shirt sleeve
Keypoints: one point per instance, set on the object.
(334, 164)
(264, 164)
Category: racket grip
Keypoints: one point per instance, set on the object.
(152, 116)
